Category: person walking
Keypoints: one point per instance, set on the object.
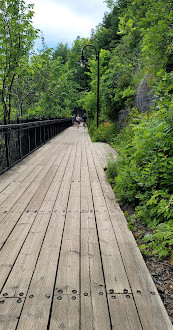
(78, 120)
(84, 120)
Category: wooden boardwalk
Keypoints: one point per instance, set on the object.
(67, 259)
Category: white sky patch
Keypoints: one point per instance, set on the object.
(61, 22)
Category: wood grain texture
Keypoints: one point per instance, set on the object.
(67, 258)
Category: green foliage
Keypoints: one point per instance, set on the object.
(105, 132)
(142, 174)
(62, 51)
(111, 170)
(160, 242)
(16, 39)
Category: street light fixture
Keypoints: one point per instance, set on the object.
(83, 63)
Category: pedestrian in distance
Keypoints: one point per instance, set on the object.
(78, 120)
(84, 120)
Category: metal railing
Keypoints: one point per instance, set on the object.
(19, 140)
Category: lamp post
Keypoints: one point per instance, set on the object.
(82, 63)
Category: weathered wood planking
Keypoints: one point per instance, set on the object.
(44, 276)
(67, 259)
(67, 286)
(149, 305)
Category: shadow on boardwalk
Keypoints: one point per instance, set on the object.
(67, 259)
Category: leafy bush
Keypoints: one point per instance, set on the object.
(160, 241)
(104, 133)
(142, 174)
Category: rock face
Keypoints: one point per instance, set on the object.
(145, 97)
(122, 115)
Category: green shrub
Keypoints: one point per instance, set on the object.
(160, 242)
(143, 171)
(104, 133)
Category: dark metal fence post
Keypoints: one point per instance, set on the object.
(35, 136)
(29, 140)
(7, 144)
(40, 135)
(19, 139)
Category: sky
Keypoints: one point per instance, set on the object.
(64, 20)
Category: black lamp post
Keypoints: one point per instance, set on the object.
(82, 63)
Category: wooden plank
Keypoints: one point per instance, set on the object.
(9, 312)
(94, 308)
(65, 314)
(123, 312)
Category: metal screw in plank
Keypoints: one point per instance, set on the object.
(5, 294)
(111, 291)
(125, 291)
(59, 298)
(47, 296)
(60, 291)
(74, 291)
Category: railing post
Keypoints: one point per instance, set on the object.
(40, 135)
(29, 140)
(48, 131)
(7, 144)
(44, 132)
(35, 137)
(19, 140)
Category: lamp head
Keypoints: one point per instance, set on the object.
(82, 62)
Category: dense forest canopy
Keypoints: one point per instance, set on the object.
(135, 41)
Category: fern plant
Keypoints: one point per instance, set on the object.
(160, 242)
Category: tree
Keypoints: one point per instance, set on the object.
(63, 51)
(16, 39)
